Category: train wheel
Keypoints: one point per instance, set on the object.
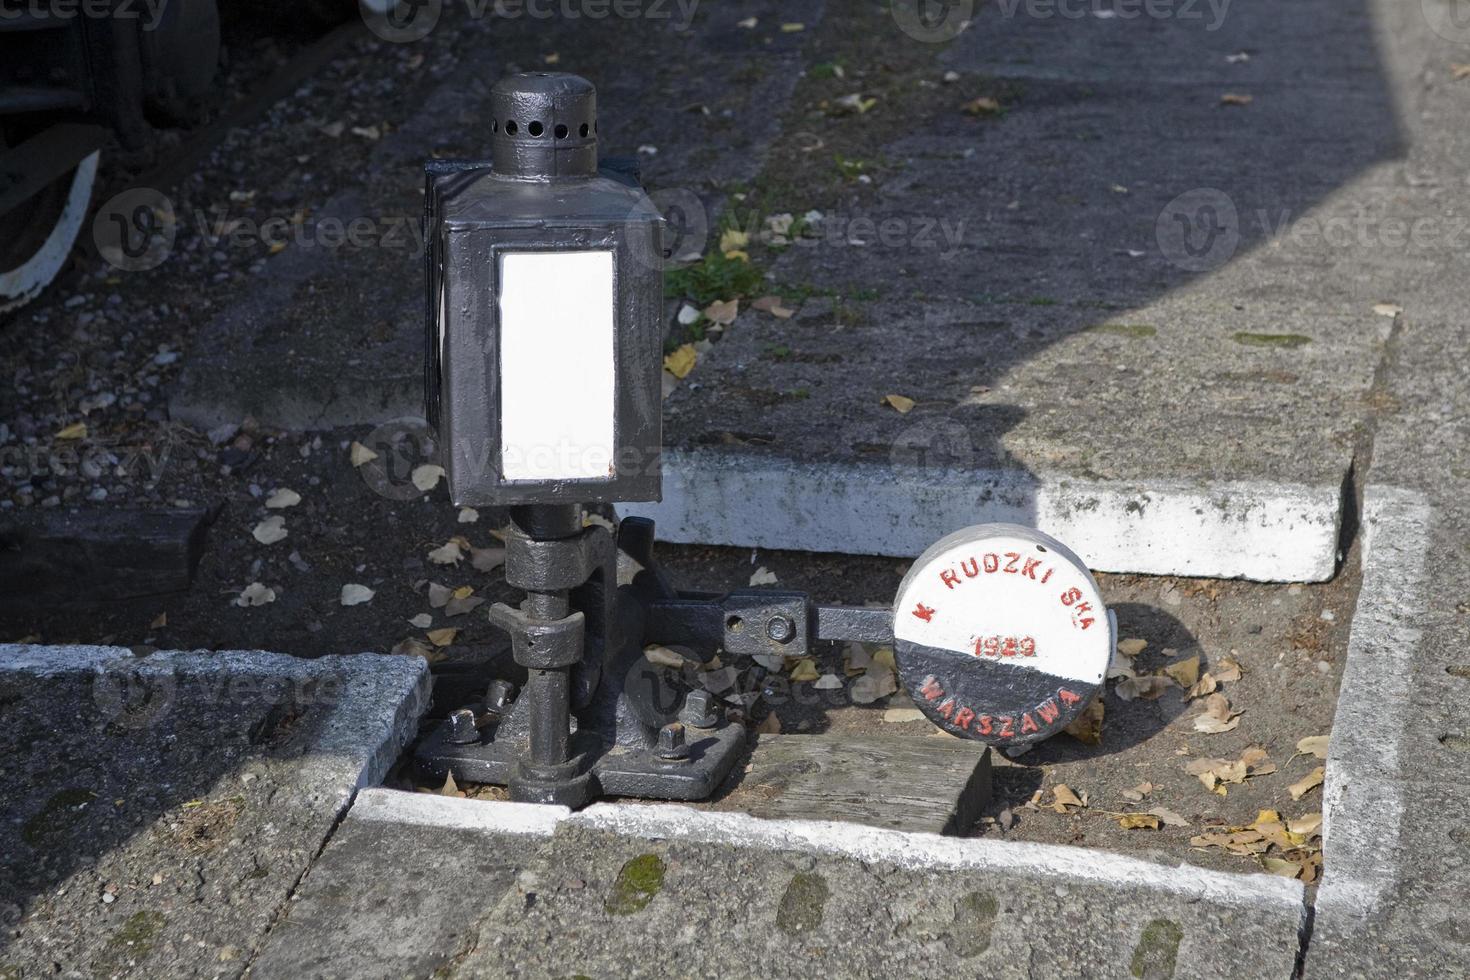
(36, 238)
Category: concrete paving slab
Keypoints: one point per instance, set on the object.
(1083, 355)
(652, 891)
(160, 809)
(401, 885)
(1171, 439)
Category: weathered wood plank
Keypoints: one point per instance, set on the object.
(897, 782)
(87, 555)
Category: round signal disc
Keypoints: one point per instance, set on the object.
(1001, 634)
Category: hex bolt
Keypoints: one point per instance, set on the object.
(499, 695)
(781, 629)
(700, 710)
(671, 747)
(462, 730)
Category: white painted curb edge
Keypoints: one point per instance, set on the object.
(903, 849)
(1269, 532)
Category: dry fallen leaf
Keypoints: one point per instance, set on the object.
(1063, 797)
(442, 637)
(427, 476)
(828, 682)
(282, 499)
(1314, 745)
(270, 530)
(876, 683)
(1087, 727)
(1137, 793)
(1281, 866)
(255, 594)
(159, 621)
(1307, 783)
(1169, 817)
(355, 595)
(1213, 772)
(439, 595)
(899, 403)
(981, 106)
(662, 656)
(773, 306)
(468, 515)
(804, 671)
(763, 576)
(1132, 646)
(1138, 821)
(681, 361)
(462, 604)
(1185, 672)
(723, 312)
(1227, 671)
(1459, 72)
(1149, 687)
(902, 716)
(1217, 716)
(1306, 825)
(77, 430)
(362, 454)
(1205, 685)
(423, 621)
(414, 647)
(448, 553)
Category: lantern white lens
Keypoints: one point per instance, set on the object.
(557, 365)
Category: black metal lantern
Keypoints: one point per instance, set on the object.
(546, 294)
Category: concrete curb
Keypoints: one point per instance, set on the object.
(1360, 838)
(372, 740)
(1261, 531)
(870, 845)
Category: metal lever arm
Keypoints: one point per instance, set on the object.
(760, 621)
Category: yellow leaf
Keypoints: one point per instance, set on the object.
(277, 248)
(733, 239)
(883, 658)
(899, 403)
(442, 638)
(77, 430)
(681, 361)
(464, 592)
(1314, 745)
(805, 670)
(1139, 821)
(1281, 866)
(738, 254)
(1307, 783)
(794, 27)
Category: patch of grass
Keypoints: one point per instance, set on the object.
(1285, 341)
(714, 278)
(779, 352)
(849, 168)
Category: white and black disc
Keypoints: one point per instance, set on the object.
(1001, 634)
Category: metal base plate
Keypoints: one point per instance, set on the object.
(617, 770)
